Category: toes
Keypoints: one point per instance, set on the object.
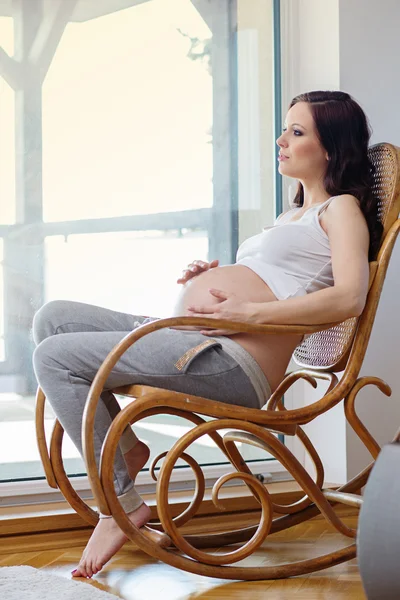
(92, 568)
(99, 566)
(96, 567)
(89, 572)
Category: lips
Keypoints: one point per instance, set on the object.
(282, 156)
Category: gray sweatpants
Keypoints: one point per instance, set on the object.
(73, 339)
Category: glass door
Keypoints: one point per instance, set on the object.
(142, 140)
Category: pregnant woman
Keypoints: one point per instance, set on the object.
(311, 267)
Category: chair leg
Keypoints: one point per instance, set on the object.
(237, 436)
(63, 483)
(350, 411)
(41, 438)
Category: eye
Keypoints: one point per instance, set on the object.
(296, 132)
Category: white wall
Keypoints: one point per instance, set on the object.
(370, 71)
(310, 54)
(370, 61)
(255, 112)
(352, 45)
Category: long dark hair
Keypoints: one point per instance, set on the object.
(344, 132)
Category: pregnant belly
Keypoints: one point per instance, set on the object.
(236, 279)
(272, 352)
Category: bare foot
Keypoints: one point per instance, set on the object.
(105, 541)
(136, 458)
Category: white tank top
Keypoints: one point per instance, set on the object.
(292, 257)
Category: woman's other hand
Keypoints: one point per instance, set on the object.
(195, 268)
(230, 307)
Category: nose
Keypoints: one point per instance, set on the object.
(281, 141)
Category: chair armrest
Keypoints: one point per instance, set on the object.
(239, 327)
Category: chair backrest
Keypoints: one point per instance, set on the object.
(329, 350)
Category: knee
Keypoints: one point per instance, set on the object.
(48, 360)
(50, 371)
(44, 356)
(47, 319)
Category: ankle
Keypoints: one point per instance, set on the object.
(136, 458)
(137, 448)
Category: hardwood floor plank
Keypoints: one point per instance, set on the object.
(132, 575)
(44, 559)
(19, 558)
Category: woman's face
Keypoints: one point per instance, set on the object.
(301, 154)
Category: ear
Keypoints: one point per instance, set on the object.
(327, 157)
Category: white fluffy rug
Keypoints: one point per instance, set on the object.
(27, 583)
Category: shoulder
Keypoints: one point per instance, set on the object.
(343, 212)
(344, 206)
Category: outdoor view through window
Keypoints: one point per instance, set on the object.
(144, 143)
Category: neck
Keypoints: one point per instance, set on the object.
(314, 193)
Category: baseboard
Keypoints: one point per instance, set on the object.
(60, 517)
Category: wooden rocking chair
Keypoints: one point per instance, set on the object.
(330, 349)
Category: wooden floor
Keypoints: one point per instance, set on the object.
(132, 575)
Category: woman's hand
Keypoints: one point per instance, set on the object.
(195, 268)
(229, 307)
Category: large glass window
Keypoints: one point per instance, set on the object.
(132, 272)
(130, 114)
(136, 141)
(7, 129)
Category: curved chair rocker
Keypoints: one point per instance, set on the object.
(330, 349)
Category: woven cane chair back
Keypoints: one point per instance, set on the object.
(328, 350)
